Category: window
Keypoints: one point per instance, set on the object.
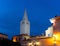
(23, 22)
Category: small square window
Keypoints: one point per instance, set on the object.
(22, 22)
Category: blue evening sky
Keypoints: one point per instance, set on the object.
(39, 13)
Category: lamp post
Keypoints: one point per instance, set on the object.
(34, 43)
(54, 41)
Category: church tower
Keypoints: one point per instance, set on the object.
(25, 24)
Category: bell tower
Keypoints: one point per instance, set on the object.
(25, 24)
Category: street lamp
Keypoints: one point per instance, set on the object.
(37, 43)
(29, 44)
(54, 39)
(34, 43)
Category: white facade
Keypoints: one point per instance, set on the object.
(25, 25)
(49, 32)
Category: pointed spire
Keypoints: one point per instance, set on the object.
(25, 15)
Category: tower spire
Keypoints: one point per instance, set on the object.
(25, 15)
(25, 24)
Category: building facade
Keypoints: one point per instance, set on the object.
(49, 32)
(56, 24)
(3, 36)
(56, 27)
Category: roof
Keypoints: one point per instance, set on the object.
(4, 34)
(57, 17)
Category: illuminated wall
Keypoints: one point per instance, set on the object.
(56, 28)
(56, 25)
(49, 32)
(3, 36)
